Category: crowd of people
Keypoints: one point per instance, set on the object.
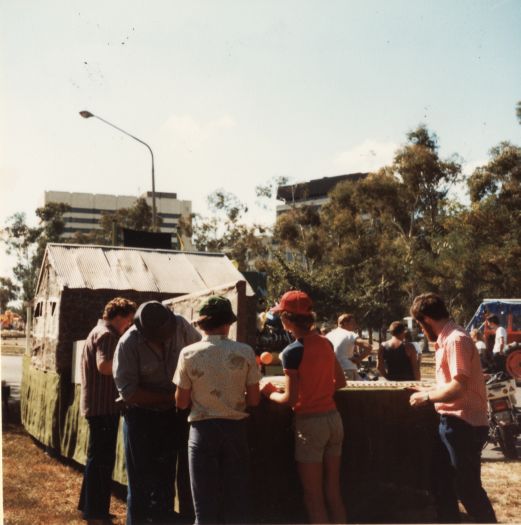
(185, 394)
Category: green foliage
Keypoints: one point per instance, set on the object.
(226, 231)
(378, 241)
(8, 292)
(28, 243)
(493, 219)
(136, 217)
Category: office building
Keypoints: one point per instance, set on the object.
(87, 209)
(311, 193)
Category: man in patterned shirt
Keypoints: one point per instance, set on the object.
(460, 399)
(98, 405)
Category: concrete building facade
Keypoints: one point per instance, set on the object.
(87, 209)
(311, 193)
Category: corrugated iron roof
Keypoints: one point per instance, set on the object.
(117, 268)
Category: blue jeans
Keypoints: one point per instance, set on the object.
(97, 476)
(219, 462)
(457, 472)
(151, 454)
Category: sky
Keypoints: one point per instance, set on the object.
(233, 93)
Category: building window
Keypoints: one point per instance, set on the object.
(38, 311)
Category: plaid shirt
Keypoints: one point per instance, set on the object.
(98, 391)
(456, 355)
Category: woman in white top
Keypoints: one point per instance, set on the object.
(218, 378)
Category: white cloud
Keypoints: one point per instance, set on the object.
(369, 155)
(192, 133)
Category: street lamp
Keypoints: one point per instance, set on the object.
(88, 114)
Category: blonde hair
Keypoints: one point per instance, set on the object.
(344, 318)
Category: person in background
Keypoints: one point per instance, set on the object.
(477, 337)
(311, 376)
(345, 340)
(98, 405)
(397, 359)
(218, 378)
(407, 338)
(461, 400)
(500, 341)
(144, 364)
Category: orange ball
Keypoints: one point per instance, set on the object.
(266, 358)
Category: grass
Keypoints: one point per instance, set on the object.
(39, 489)
(12, 345)
(502, 481)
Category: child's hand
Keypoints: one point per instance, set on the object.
(268, 389)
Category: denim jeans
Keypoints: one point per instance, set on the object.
(457, 472)
(151, 453)
(97, 476)
(218, 459)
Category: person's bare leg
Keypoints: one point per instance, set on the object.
(311, 475)
(337, 511)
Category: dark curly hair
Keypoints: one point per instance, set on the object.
(119, 306)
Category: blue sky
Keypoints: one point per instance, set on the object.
(232, 93)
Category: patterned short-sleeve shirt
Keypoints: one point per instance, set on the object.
(217, 371)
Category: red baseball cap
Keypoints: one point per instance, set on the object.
(295, 302)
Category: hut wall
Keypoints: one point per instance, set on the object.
(244, 306)
(79, 313)
(46, 314)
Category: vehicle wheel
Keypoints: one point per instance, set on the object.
(507, 442)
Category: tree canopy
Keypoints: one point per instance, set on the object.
(381, 240)
(375, 244)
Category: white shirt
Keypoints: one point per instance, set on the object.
(500, 333)
(217, 370)
(344, 344)
(481, 346)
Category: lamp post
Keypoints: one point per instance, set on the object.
(88, 114)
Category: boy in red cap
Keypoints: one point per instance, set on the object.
(312, 374)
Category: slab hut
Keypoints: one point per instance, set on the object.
(75, 283)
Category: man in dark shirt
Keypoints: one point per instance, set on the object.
(98, 405)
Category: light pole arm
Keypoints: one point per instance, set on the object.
(154, 210)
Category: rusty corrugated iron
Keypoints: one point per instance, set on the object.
(117, 268)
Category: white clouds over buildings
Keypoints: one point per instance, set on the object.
(369, 155)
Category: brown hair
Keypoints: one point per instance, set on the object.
(476, 334)
(119, 306)
(429, 305)
(396, 328)
(304, 322)
(210, 323)
(493, 319)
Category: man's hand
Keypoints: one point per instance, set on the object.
(268, 389)
(419, 398)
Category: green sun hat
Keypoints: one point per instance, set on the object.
(217, 308)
